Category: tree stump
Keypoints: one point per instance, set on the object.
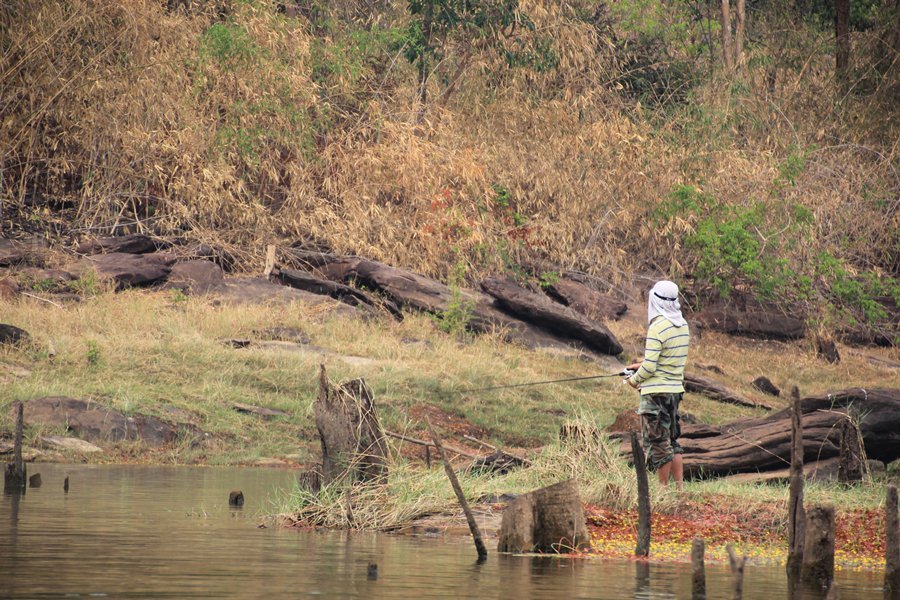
(851, 466)
(698, 569)
(353, 444)
(16, 474)
(818, 549)
(550, 519)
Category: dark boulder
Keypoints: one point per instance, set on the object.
(95, 422)
(12, 335)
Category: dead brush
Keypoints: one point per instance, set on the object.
(185, 123)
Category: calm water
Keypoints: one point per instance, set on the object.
(158, 532)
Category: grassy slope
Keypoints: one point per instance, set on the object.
(150, 353)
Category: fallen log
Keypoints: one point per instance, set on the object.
(542, 311)
(412, 291)
(753, 321)
(306, 281)
(712, 389)
(585, 300)
(764, 444)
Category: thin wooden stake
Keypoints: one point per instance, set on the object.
(737, 569)
(796, 514)
(643, 534)
(891, 546)
(698, 569)
(448, 468)
(15, 475)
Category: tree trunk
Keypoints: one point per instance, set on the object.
(740, 25)
(727, 48)
(842, 39)
(353, 445)
(550, 519)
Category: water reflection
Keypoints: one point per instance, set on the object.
(156, 532)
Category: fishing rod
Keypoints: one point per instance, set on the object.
(624, 373)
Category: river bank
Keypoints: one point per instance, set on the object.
(163, 355)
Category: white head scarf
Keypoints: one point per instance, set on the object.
(664, 302)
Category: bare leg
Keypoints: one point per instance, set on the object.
(678, 471)
(663, 473)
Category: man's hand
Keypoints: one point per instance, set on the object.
(632, 384)
(634, 366)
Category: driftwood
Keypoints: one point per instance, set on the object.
(763, 444)
(754, 321)
(585, 300)
(353, 444)
(712, 389)
(550, 519)
(457, 489)
(306, 281)
(427, 444)
(412, 291)
(540, 310)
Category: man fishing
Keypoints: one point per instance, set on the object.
(660, 379)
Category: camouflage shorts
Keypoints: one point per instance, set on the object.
(661, 427)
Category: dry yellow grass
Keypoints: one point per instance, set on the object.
(227, 131)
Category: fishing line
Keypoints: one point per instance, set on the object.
(531, 383)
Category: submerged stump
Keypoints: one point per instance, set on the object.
(15, 475)
(818, 549)
(353, 444)
(550, 519)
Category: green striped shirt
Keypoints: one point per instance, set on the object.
(665, 355)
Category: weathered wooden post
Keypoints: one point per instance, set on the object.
(457, 489)
(643, 484)
(15, 475)
(851, 462)
(698, 569)
(818, 549)
(891, 546)
(737, 570)
(796, 514)
(353, 445)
